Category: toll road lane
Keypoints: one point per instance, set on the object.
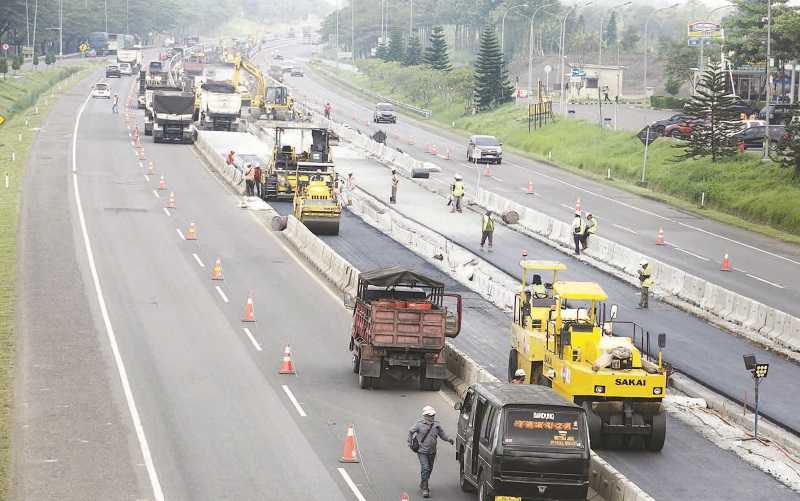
(773, 261)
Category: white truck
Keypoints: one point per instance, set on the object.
(132, 57)
(220, 106)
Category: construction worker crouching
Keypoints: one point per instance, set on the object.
(646, 281)
(457, 192)
(591, 229)
(577, 232)
(519, 377)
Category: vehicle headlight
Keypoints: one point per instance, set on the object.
(599, 388)
(657, 390)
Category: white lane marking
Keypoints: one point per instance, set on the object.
(698, 256)
(567, 207)
(147, 178)
(351, 484)
(166, 211)
(197, 258)
(659, 216)
(252, 338)
(469, 165)
(155, 484)
(497, 179)
(624, 228)
(294, 401)
(779, 286)
(156, 194)
(221, 294)
(180, 233)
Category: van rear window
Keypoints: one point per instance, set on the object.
(544, 428)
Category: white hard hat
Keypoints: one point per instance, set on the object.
(520, 373)
(428, 411)
(588, 214)
(458, 176)
(643, 262)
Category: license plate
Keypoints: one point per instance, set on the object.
(506, 498)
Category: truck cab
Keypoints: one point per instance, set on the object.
(522, 441)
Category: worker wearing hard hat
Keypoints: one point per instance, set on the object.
(457, 192)
(422, 438)
(645, 281)
(591, 229)
(577, 231)
(519, 377)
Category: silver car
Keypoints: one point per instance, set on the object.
(484, 149)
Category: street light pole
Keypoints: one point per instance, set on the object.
(530, 49)
(765, 156)
(561, 54)
(602, 20)
(646, 23)
(353, 30)
(338, 9)
(105, 8)
(61, 28)
(503, 25)
(411, 20)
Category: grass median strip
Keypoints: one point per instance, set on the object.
(17, 135)
(744, 191)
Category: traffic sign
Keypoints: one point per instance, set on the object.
(647, 135)
(5, 46)
(548, 68)
(83, 47)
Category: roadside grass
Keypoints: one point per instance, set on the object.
(742, 191)
(17, 136)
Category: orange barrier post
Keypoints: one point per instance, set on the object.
(216, 273)
(726, 263)
(191, 233)
(249, 313)
(530, 187)
(162, 184)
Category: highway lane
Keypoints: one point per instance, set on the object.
(689, 340)
(689, 466)
(764, 269)
(219, 422)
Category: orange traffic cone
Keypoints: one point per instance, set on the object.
(487, 171)
(162, 184)
(578, 205)
(249, 314)
(530, 187)
(726, 263)
(151, 168)
(171, 203)
(287, 367)
(404, 496)
(660, 237)
(350, 454)
(191, 233)
(428, 148)
(216, 274)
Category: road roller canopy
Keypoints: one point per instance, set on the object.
(579, 291)
(536, 265)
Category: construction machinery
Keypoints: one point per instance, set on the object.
(314, 203)
(266, 98)
(172, 117)
(400, 321)
(562, 339)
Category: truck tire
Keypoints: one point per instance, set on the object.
(366, 382)
(512, 363)
(463, 483)
(655, 442)
(595, 426)
(485, 493)
(430, 384)
(356, 363)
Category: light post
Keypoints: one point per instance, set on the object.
(765, 156)
(353, 30)
(602, 20)
(503, 25)
(105, 9)
(411, 20)
(338, 10)
(530, 49)
(759, 372)
(561, 54)
(646, 23)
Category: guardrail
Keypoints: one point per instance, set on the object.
(374, 95)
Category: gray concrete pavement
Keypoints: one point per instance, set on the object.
(765, 269)
(626, 116)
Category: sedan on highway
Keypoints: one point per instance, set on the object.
(384, 113)
(484, 149)
(296, 72)
(659, 125)
(112, 70)
(125, 69)
(101, 90)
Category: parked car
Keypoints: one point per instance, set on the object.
(125, 69)
(741, 106)
(753, 137)
(522, 441)
(777, 112)
(484, 149)
(112, 70)
(659, 125)
(681, 130)
(101, 90)
(296, 72)
(384, 112)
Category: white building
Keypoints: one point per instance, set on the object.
(592, 81)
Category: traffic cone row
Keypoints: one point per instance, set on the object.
(446, 155)
(151, 169)
(287, 366)
(141, 153)
(530, 187)
(350, 453)
(660, 237)
(433, 149)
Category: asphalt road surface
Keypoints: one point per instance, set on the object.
(187, 404)
(764, 269)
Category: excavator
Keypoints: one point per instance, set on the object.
(272, 100)
(562, 338)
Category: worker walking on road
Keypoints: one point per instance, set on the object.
(249, 178)
(115, 103)
(591, 229)
(577, 232)
(257, 180)
(457, 192)
(395, 182)
(422, 439)
(646, 281)
(487, 229)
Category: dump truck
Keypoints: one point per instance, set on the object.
(130, 56)
(172, 112)
(401, 319)
(150, 89)
(563, 339)
(220, 106)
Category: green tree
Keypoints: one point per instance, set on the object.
(679, 60)
(610, 33)
(491, 85)
(382, 52)
(672, 86)
(789, 145)
(413, 52)
(630, 37)
(712, 109)
(49, 58)
(397, 51)
(436, 55)
(16, 62)
(3, 67)
(35, 60)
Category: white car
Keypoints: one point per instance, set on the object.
(101, 90)
(125, 69)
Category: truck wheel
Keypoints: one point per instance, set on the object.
(463, 483)
(512, 363)
(356, 363)
(365, 382)
(655, 442)
(484, 491)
